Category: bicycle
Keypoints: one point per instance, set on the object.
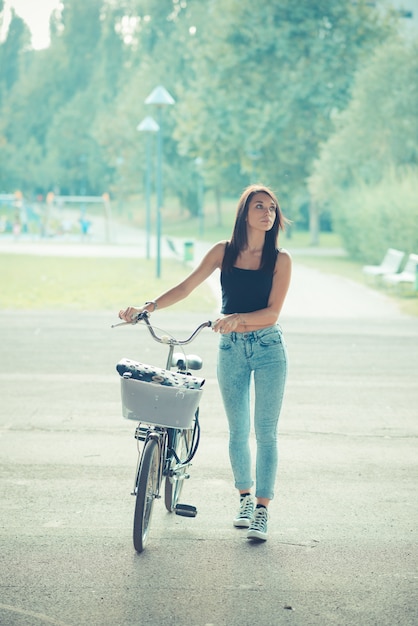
(166, 406)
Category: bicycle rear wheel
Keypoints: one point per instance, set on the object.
(181, 444)
(147, 488)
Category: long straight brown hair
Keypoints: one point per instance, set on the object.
(239, 240)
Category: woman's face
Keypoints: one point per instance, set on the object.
(261, 212)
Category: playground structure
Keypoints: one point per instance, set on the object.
(54, 215)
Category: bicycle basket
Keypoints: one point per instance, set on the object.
(158, 396)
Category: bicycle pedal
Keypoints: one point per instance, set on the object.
(186, 510)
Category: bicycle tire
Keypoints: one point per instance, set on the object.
(147, 487)
(181, 444)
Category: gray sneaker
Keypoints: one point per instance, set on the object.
(258, 526)
(245, 514)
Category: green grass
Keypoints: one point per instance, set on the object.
(36, 282)
(109, 284)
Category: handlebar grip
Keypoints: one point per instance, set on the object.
(137, 318)
(141, 316)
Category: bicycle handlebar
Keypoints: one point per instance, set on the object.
(165, 339)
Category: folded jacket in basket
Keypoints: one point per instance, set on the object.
(156, 375)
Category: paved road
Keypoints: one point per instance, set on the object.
(342, 545)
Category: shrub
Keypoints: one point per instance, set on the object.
(373, 217)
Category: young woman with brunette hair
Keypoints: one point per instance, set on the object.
(255, 277)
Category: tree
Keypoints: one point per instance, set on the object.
(157, 52)
(373, 156)
(48, 82)
(269, 84)
(80, 37)
(256, 86)
(11, 52)
(379, 128)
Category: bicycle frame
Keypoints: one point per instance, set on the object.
(166, 442)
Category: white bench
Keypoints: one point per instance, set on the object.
(390, 265)
(408, 274)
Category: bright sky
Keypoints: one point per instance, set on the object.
(36, 14)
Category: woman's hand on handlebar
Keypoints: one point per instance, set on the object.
(130, 314)
(227, 324)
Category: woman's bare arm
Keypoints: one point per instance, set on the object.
(262, 318)
(210, 262)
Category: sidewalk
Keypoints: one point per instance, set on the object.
(342, 548)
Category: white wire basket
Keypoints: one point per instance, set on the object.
(157, 396)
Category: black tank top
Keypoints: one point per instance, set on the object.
(244, 291)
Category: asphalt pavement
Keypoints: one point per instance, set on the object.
(342, 547)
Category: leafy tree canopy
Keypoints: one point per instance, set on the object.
(367, 172)
(378, 131)
(257, 85)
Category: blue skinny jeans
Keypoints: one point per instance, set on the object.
(263, 354)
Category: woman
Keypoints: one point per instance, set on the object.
(255, 278)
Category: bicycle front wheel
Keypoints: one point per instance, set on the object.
(182, 442)
(147, 488)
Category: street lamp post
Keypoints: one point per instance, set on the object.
(199, 163)
(148, 125)
(160, 98)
